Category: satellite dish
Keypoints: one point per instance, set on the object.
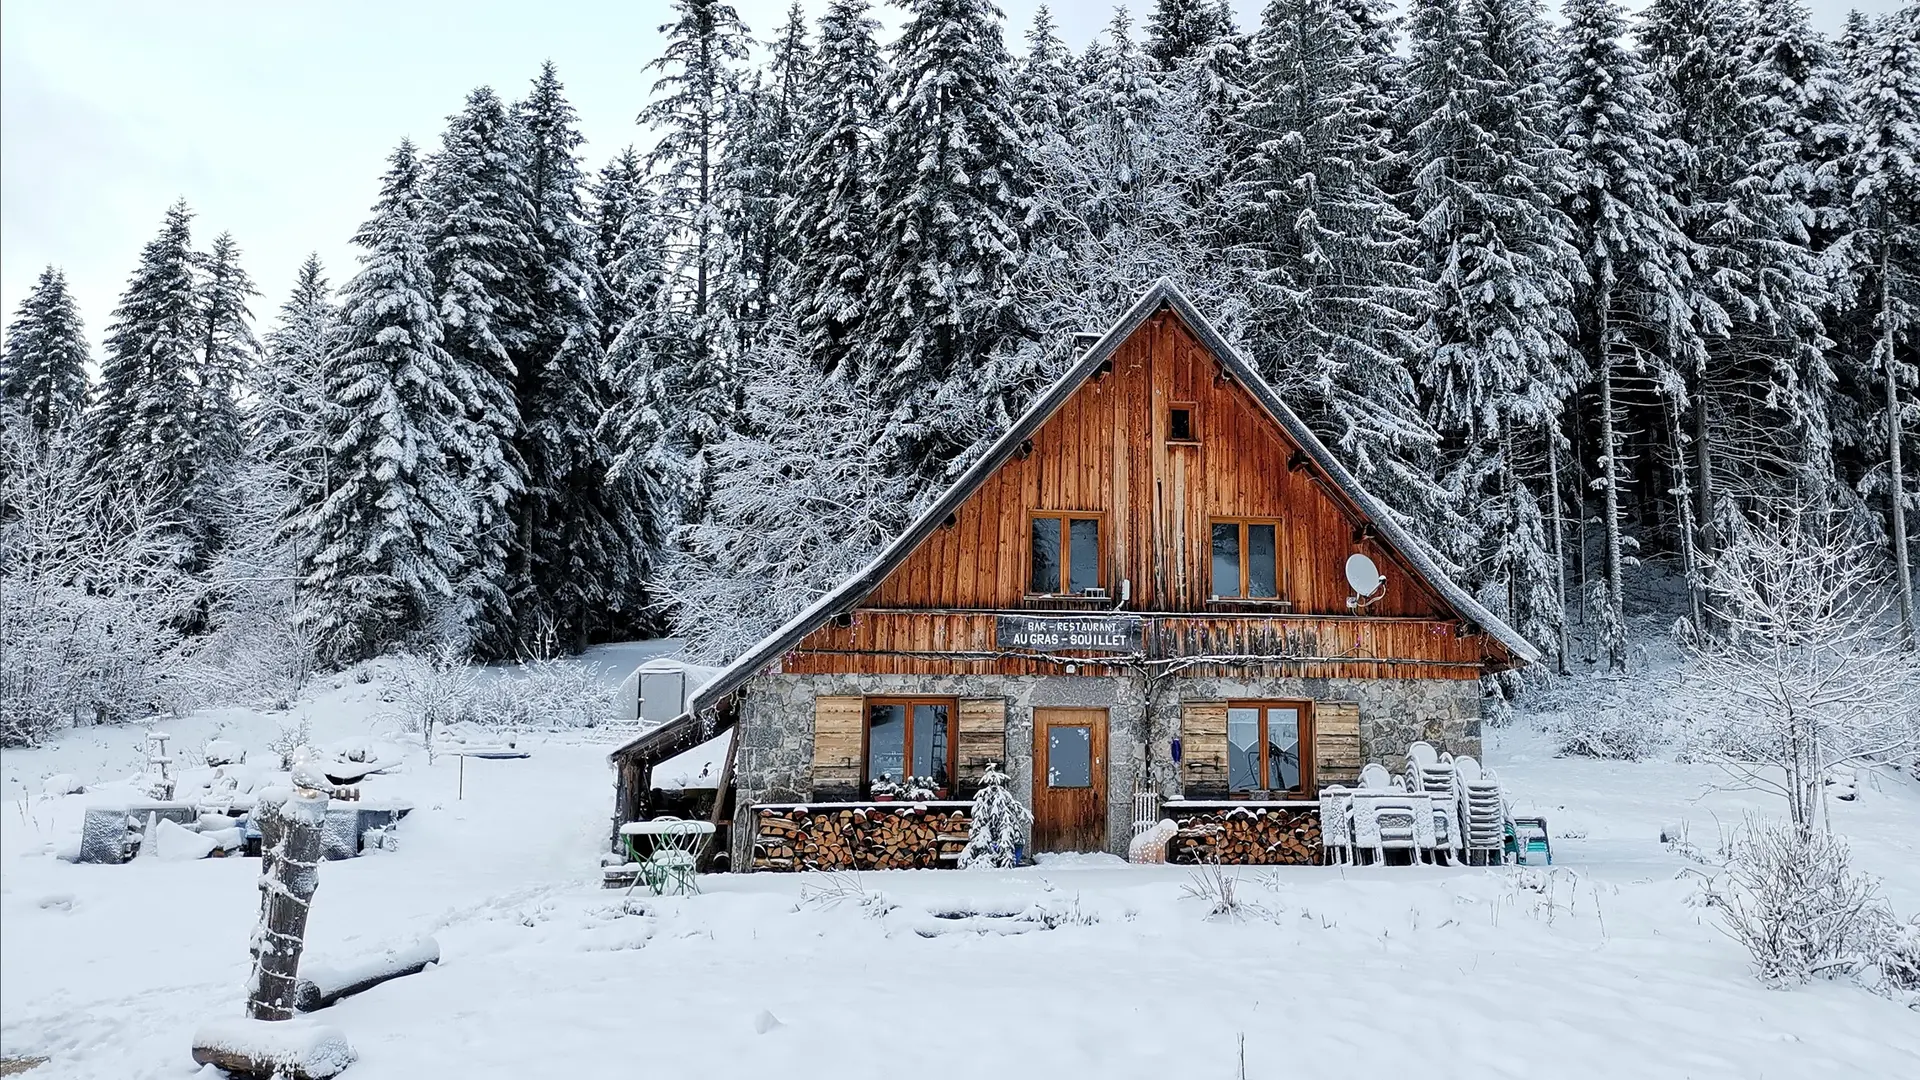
(1363, 575)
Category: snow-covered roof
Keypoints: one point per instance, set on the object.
(1162, 293)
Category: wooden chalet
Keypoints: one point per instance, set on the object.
(1144, 598)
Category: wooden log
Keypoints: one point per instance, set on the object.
(290, 846)
(321, 985)
(273, 1050)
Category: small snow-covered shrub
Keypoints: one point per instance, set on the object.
(1616, 734)
(1220, 888)
(295, 737)
(433, 688)
(998, 823)
(1792, 897)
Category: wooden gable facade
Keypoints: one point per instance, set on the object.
(1115, 452)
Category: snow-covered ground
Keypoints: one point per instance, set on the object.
(1603, 966)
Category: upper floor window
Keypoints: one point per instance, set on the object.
(1246, 560)
(1066, 554)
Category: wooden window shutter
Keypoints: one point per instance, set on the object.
(983, 739)
(1336, 742)
(839, 735)
(1203, 748)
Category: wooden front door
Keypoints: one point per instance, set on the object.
(1069, 780)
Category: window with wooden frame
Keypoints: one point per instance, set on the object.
(1246, 559)
(1065, 550)
(1269, 746)
(909, 736)
(1180, 427)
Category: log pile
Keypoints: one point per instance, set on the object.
(879, 837)
(1248, 836)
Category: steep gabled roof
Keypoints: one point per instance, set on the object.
(1162, 293)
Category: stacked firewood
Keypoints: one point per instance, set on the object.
(1248, 836)
(858, 838)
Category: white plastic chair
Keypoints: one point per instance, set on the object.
(1375, 777)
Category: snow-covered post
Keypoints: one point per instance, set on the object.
(290, 826)
(997, 823)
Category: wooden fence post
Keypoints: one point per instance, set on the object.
(290, 850)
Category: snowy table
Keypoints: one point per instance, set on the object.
(677, 844)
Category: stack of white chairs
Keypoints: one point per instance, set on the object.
(1387, 817)
(1484, 811)
(1336, 823)
(1433, 774)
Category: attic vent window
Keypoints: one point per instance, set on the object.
(1180, 424)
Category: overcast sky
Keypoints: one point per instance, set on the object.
(273, 120)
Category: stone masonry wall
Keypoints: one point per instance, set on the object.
(775, 759)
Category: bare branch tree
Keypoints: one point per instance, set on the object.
(1808, 671)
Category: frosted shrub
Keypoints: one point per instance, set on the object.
(1614, 733)
(435, 688)
(999, 821)
(542, 694)
(1794, 900)
(295, 736)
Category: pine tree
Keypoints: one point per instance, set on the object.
(43, 371)
(1636, 305)
(699, 80)
(829, 210)
(573, 558)
(765, 129)
(229, 357)
(1043, 86)
(144, 431)
(997, 825)
(1882, 251)
(480, 244)
(632, 287)
(1493, 251)
(386, 544)
(1755, 307)
(1180, 30)
(952, 194)
(289, 420)
(1333, 288)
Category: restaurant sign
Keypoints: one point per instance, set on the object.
(1077, 633)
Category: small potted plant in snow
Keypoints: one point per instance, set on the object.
(918, 789)
(885, 789)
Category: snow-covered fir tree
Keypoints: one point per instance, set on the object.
(952, 197)
(1756, 305)
(43, 369)
(1334, 290)
(145, 429)
(386, 541)
(288, 421)
(1043, 83)
(699, 80)
(631, 282)
(1493, 251)
(1182, 30)
(1881, 252)
(803, 496)
(997, 826)
(574, 562)
(480, 244)
(1635, 308)
(229, 358)
(829, 210)
(758, 173)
